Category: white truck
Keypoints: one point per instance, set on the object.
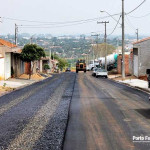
(93, 64)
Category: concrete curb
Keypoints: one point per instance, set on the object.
(134, 87)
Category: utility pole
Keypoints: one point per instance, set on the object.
(137, 33)
(16, 33)
(96, 44)
(31, 40)
(123, 43)
(0, 20)
(50, 58)
(53, 50)
(92, 49)
(105, 41)
(50, 54)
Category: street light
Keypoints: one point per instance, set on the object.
(102, 11)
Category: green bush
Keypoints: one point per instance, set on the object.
(46, 67)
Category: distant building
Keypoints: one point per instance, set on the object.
(141, 57)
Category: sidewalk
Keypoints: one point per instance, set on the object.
(12, 84)
(131, 81)
(15, 83)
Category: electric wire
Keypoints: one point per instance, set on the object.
(115, 26)
(136, 7)
(140, 16)
(56, 26)
(54, 23)
(129, 23)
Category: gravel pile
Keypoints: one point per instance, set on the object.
(53, 135)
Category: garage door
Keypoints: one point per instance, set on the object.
(7, 66)
(135, 58)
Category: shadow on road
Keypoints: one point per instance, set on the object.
(144, 112)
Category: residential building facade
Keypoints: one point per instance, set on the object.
(141, 57)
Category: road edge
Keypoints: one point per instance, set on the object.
(133, 87)
(68, 116)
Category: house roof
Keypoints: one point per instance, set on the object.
(142, 40)
(6, 43)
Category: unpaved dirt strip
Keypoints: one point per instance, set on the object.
(32, 132)
(13, 103)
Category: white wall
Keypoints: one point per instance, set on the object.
(2, 74)
(143, 57)
(7, 68)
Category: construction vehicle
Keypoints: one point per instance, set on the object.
(81, 66)
(111, 62)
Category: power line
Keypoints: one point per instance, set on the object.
(34, 21)
(136, 7)
(129, 23)
(140, 16)
(110, 15)
(115, 26)
(123, 42)
(56, 26)
(105, 40)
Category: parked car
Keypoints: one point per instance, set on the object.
(94, 71)
(68, 69)
(101, 73)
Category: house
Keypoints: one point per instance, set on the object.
(50, 62)
(141, 57)
(39, 65)
(10, 63)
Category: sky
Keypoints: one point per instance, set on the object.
(44, 12)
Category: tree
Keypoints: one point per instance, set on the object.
(62, 63)
(99, 50)
(31, 53)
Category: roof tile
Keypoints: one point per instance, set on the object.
(6, 43)
(142, 40)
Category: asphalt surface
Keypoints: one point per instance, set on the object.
(74, 112)
(36, 116)
(105, 115)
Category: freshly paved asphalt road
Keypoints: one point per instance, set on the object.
(105, 115)
(35, 117)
